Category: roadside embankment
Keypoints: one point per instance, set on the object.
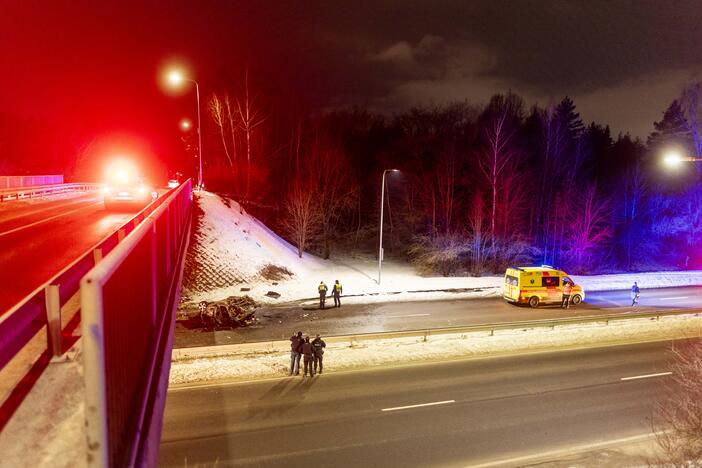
(253, 361)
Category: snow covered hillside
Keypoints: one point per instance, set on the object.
(234, 254)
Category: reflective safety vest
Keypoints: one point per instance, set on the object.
(337, 287)
(322, 288)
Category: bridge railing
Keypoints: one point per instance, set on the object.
(29, 180)
(19, 193)
(128, 304)
(42, 309)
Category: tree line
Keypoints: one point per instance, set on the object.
(480, 187)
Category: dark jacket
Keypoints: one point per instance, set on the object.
(307, 349)
(296, 343)
(318, 345)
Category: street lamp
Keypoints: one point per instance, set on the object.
(382, 203)
(185, 124)
(674, 158)
(175, 79)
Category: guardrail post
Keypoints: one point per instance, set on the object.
(120, 235)
(53, 319)
(97, 255)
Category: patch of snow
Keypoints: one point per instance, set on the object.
(48, 428)
(262, 360)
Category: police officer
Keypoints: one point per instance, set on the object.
(322, 289)
(336, 292)
(318, 346)
(307, 355)
(295, 350)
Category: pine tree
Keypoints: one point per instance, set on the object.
(567, 114)
(671, 130)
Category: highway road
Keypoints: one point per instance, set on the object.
(280, 322)
(39, 237)
(496, 411)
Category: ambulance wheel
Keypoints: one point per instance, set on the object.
(576, 300)
(533, 302)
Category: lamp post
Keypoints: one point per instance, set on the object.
(176, 78)
(382, 204)
(674, 158)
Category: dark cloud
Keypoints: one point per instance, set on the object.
(95, 63)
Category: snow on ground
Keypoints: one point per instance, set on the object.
(262, 360)
(233, 249)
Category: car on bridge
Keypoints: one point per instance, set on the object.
(539, 285)
(125, 187)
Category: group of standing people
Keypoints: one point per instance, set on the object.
(336, 292)
(311, 353)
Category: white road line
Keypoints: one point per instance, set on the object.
(635, 377)
(46, 219)
(673, 298)
(397, 408)
(408, 315)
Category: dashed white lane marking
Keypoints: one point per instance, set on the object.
(636, 377)
(673, 298)
(435, 403)
(408, 315)
(47, 219)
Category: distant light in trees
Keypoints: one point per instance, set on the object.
(673, 158)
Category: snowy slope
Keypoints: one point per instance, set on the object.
(233, 252)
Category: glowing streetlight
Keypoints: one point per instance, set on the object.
(185, 124)
(382, 203)
(674, 158)
(175, 78)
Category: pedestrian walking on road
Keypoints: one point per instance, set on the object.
(635, 292)
(295, 353)
(307, 354)
(567, 290)
(337, 290)
(322, 289)
(318, 346)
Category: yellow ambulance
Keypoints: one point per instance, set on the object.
(538, 285)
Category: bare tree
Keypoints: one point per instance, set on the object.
(493, 163)
(691, 102)
(446, 185)
(476, 222)
(250, 117)
(301, 219)
(678, 418)
(221, 120)
(334, 192)
(589, 225)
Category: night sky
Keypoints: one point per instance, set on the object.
(91, 68)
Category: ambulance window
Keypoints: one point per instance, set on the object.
(549, 281)
(567, 280)
(509, 279)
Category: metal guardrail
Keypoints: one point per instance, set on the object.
(19, 193)
(42, 308)
(29, 180)
(223, 350)
(128, 305)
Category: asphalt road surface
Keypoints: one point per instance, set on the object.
(456, 413)
(40, 237)
(281, 322)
